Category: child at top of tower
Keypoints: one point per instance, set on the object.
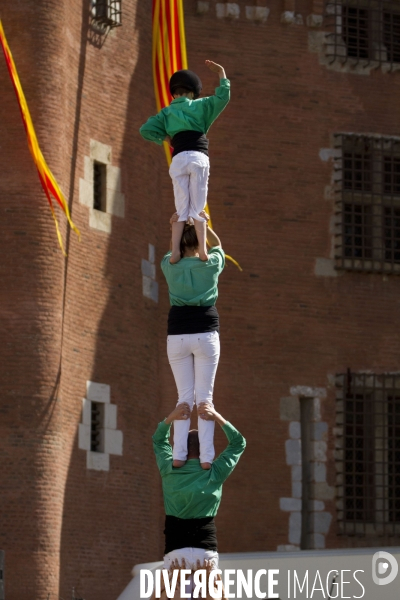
(184, 124)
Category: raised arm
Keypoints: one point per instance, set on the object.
(161, 446)
(212, 239)
(215, 68)
(181, 412)
(214, 105)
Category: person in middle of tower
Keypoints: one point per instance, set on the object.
(193, 333)
(184, 125)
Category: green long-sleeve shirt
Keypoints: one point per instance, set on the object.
(193, 282)
(187, 115)
(191, 492)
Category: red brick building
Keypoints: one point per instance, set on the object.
(304, 192)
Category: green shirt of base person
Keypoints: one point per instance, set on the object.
(192, 495)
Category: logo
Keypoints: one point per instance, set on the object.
(384, 568)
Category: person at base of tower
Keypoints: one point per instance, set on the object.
(184, 124)
(193, 345)
(192, 495)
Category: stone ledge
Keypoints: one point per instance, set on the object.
(290, 18)
(100, 220)
(97, 392)
(257, 13)
(229, 10)
(100, 152)
(314, 20)
(325, 267)
(202, 7)
(98, 461)
(308, 392)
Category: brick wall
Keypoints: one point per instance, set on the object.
(281, 325)
(87, 319)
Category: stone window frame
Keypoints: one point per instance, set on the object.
(111, 438)
(372, 389)
(101, 220)
(306, 510)
(149, 283)
(336, 50)
(257, 11)
(372, 198)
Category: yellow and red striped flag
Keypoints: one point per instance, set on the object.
(48, 181)
(169, 50)
(169, 55)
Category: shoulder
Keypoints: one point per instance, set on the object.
(216, 255)
(165, 261)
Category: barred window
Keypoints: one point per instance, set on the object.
(367, 190)
(366, 32)
(99, 186)
(107, 13)
(368, 459)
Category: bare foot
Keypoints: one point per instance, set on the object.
(175, 257)
(178, 463)
(206, 466)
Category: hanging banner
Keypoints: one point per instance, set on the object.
(169, 55)
(169, 51)
(48, 181)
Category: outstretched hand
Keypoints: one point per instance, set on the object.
(215, 68)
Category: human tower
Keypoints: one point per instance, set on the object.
(192, 480)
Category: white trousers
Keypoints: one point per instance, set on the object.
(191, 556)
(194, 361)
(189, 172)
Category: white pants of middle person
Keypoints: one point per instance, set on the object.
(189, 172)
(194, 361)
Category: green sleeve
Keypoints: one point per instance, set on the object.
(219, 255)
(162, 447)
(165, 264)
(225, 463)
(154, 129)
(214, 105)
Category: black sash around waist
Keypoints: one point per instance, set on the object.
(190, 533)
(189, 140)
(192, 319)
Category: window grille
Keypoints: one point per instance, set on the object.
(96, 426)
(107, 13)
(367, 192)
(368, 461)
(363, 32)
(99, 186)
